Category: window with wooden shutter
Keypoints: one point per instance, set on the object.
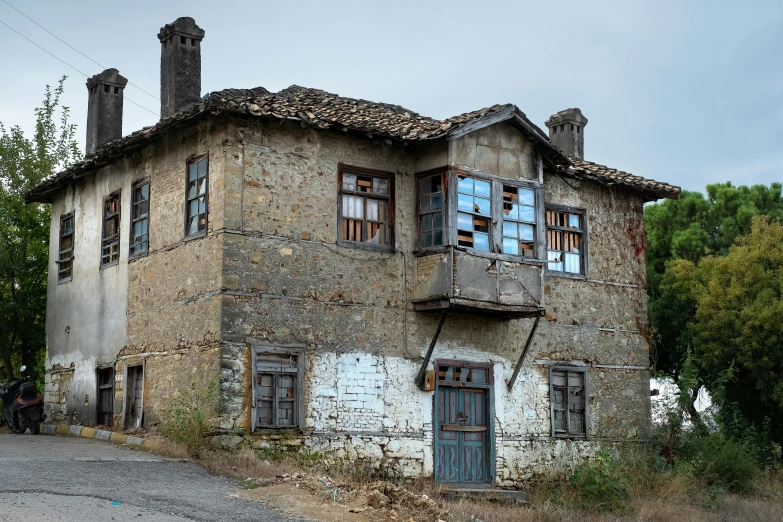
(568, 401)
(278, 389)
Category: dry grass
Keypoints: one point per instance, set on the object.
(654, 497)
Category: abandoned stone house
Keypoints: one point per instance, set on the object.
(461, 298)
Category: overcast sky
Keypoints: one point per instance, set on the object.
(685, 92)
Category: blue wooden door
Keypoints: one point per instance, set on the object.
(462, 433)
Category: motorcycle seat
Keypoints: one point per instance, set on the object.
(26, 386)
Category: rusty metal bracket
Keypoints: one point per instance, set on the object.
(513, 379)
(426, 362)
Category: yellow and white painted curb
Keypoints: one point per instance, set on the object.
(86, 432)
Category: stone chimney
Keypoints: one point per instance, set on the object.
(567, 132)
(180, 65)
(104, 108)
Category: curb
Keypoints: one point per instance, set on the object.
(86, 432)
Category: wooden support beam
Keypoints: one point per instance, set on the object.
(513, 379)
(426, 362)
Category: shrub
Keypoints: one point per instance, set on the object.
(721, 462)
(601, 483)
(189, 415)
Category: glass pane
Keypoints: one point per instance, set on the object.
(510, 229)
(527, 214)
(202, 188)
(193, 225)
(193, 190)
(67, 226)
(437, 220)
(137, 228)
(353, 207)
(555, 260)
(510, 246)
(478, 376)
(426, 222)
(372, 209)
(526, 232)
(465, 202)
(483, 206)
(573, 263)
(482, 188)
(349, 182)
(380, 186)
(465, 185)
(202, 205)
(481, 241)
(145, 191)
(437, 200)
(464, 221)
(426, 239)
(193, 208)
(424, 203)
(193, 172)
(527, 196)
(573, 221)
(437, 237)
(424, 186)
(435, 184)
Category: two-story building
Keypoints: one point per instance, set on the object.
(460, 298)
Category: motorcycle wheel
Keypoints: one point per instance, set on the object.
(17, 428)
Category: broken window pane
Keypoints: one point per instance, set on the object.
(365, 210)
(518, 207)
(565, 235)
(349, 182)
(196, 207)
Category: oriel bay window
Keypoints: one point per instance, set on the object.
(196, 197)
(366, 208)
(110, 242)
(566, 240)
(489, 215)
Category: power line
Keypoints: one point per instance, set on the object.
(69, 65)
(72, 47)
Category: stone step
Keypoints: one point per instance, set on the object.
(502, 496)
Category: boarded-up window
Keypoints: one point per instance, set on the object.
(196, 198)
(565, 235)
(140, 219)
(431, 211)
(65, 261)
(366, 208)
(473, 212)
(277, 390)
(519, 221)
(110, 242)
(567, 394)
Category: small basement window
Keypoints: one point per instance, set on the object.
(65, 261)
(566, 241)
(110, 242)
(278, 389)
(567, 395)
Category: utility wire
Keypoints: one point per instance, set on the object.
(72, 47)
(69, 65)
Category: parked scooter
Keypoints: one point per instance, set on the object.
(22, 404)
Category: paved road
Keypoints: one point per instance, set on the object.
(72, 480)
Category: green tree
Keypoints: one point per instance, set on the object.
(24, 229)
(737, 324)
(690, 228)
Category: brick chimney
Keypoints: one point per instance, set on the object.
(180, 65)
(567, 132)
(104, 108)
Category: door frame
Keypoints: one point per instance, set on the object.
(125, 412)
(490, 413)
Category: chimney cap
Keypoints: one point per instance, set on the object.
(183, 26)
(567, 116)
(108, 77)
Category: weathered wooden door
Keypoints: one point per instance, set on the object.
(462, 426)
(134, 397)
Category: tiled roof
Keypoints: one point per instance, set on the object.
(588, 170)
(313, 107)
